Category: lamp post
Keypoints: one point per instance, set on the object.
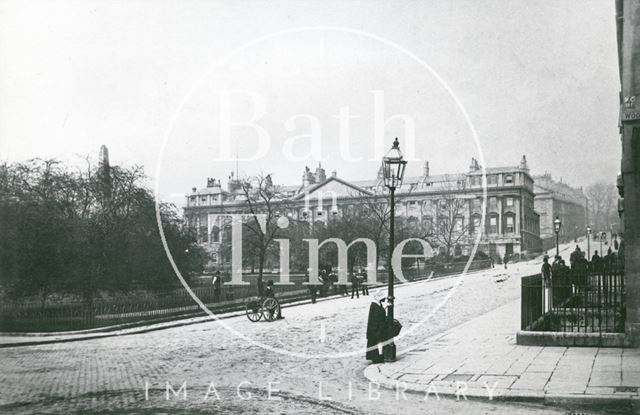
(393, 166)
(557, 224)
(603, 234)
(588, 242)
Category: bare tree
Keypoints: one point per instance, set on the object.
(450, 227)
(377, 211)
(262, 199)
(602, 204)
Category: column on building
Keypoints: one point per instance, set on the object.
(500, 214)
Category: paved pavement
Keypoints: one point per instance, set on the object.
(129, 374)
(480, 358)
(111, 375)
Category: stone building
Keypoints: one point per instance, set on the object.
(557, 199)
(511, 224)
(628, 25)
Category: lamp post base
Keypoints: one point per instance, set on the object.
(389, 352)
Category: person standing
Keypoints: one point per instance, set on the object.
(362, 282)
(596, 262)
(313, 289)
(575, 256)
(376, 328)
(354, 285)
(546, 270)
(324, 281)
(217, 286)
(505, 259)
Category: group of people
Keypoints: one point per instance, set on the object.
(329, 281)
(557, 274)
(579, 264)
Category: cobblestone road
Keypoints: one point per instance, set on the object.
(111, 375)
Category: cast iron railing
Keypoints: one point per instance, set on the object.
(590, 302)
(144, 307)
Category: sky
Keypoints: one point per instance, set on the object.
(182, 87)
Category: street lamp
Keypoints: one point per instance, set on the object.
(588, 242)
(557, 224)
(393, 166)
(603, 234)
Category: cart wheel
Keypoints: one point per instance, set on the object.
(254, 313)
(270, 309)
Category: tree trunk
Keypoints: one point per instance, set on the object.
(261, 262)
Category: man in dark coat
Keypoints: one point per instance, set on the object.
(575, 255)
(355, 289)
(596, 262)
(376, 328)
(217, 286)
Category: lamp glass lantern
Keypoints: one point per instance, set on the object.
(557, 224)
(588, 229)
(393, 165)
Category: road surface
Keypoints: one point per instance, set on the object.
(129, 374)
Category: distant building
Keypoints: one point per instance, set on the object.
(557, 199)
(511, 227)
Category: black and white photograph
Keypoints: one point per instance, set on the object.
(320, 207)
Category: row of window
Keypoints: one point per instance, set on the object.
(509, 225)
(203, 199)
(492, 180)
(476, 203)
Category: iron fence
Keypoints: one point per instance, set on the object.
(589, 302)
(145, 307)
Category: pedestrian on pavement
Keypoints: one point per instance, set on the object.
(362, 282)
(505, 260)
(596, 262)
(333, 279)
(376, 328)
(579, 269)
(608, 259)
(313, 289)
(354, 285)
(577, 253)
(324, 281)
(217, 286)
(546, 270)
(269, 293)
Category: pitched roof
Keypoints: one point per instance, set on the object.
(310, 189)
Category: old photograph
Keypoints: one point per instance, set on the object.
(320, 207)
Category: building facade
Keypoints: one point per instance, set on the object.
(628, 25)
(557, 199)
(511, 224)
